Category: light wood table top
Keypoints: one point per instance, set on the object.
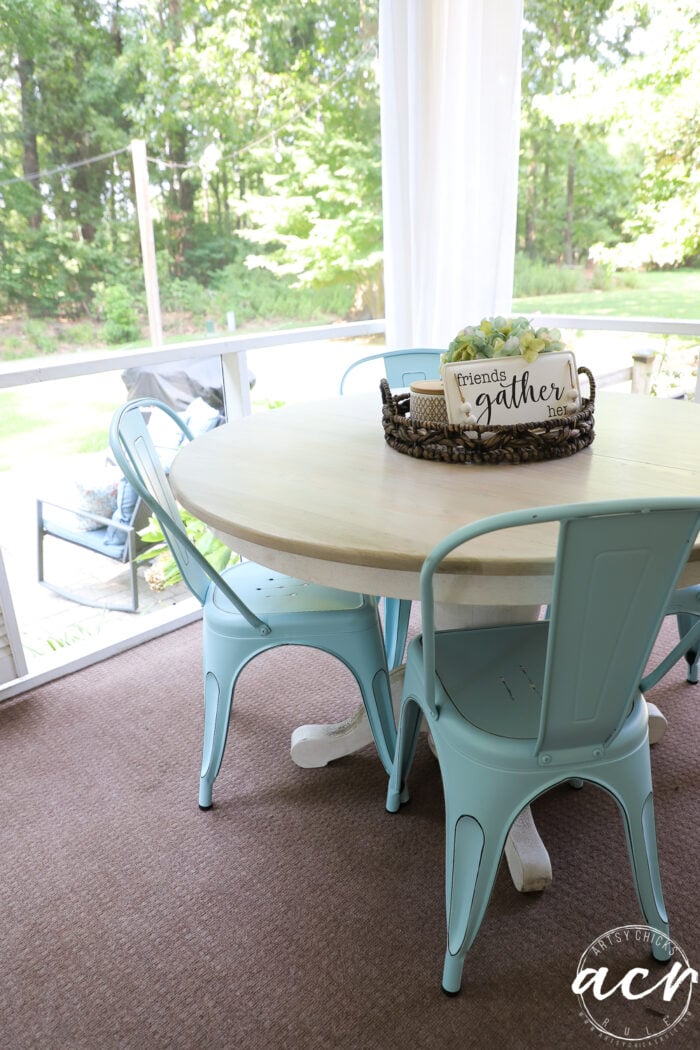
(313, 490)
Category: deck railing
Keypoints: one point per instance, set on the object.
(233, 350)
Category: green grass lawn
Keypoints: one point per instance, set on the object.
(42, 422)
(672, 293)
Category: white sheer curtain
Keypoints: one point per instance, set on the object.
(450, 101)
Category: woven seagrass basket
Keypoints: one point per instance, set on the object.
(502, 443)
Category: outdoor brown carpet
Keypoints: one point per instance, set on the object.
(297, 913)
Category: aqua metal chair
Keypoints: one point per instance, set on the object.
(516, 710)
(685, 606)
(289, 611)
(401, 368)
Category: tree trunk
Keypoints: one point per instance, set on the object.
(30, 149)
(531, 212)
(81, 185)
(569, 227)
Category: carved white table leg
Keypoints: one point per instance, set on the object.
(528, 861)
(657, 724)
(317, 745)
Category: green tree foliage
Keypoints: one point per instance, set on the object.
(261, 121)
(662, 115)
(117, 307)
(611, 110)
(317, 213)
(235, 99)
(574, 187)
(61, 109)
(275, 101)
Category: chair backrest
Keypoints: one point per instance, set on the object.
(617, 565)
(136, 454)
(402, 367)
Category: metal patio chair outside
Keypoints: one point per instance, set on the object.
(289, 611)
(402, 367)
(516, 710)
(118, 540)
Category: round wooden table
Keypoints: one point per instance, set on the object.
(314, 491)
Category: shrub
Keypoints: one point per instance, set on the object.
(259, 294)
(185, 295)
(602, 277)
(115, 303)
(41, 335)
(81, 334)
(628, 279)
(533, 277)
(13, 347)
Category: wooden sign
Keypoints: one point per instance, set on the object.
(511, 389)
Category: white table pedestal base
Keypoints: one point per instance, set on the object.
(657, 724)
(317, 745)
(528, 860)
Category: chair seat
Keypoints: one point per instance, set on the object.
(94, 540)
(492, 712)
(494, 676)
(274, 594)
